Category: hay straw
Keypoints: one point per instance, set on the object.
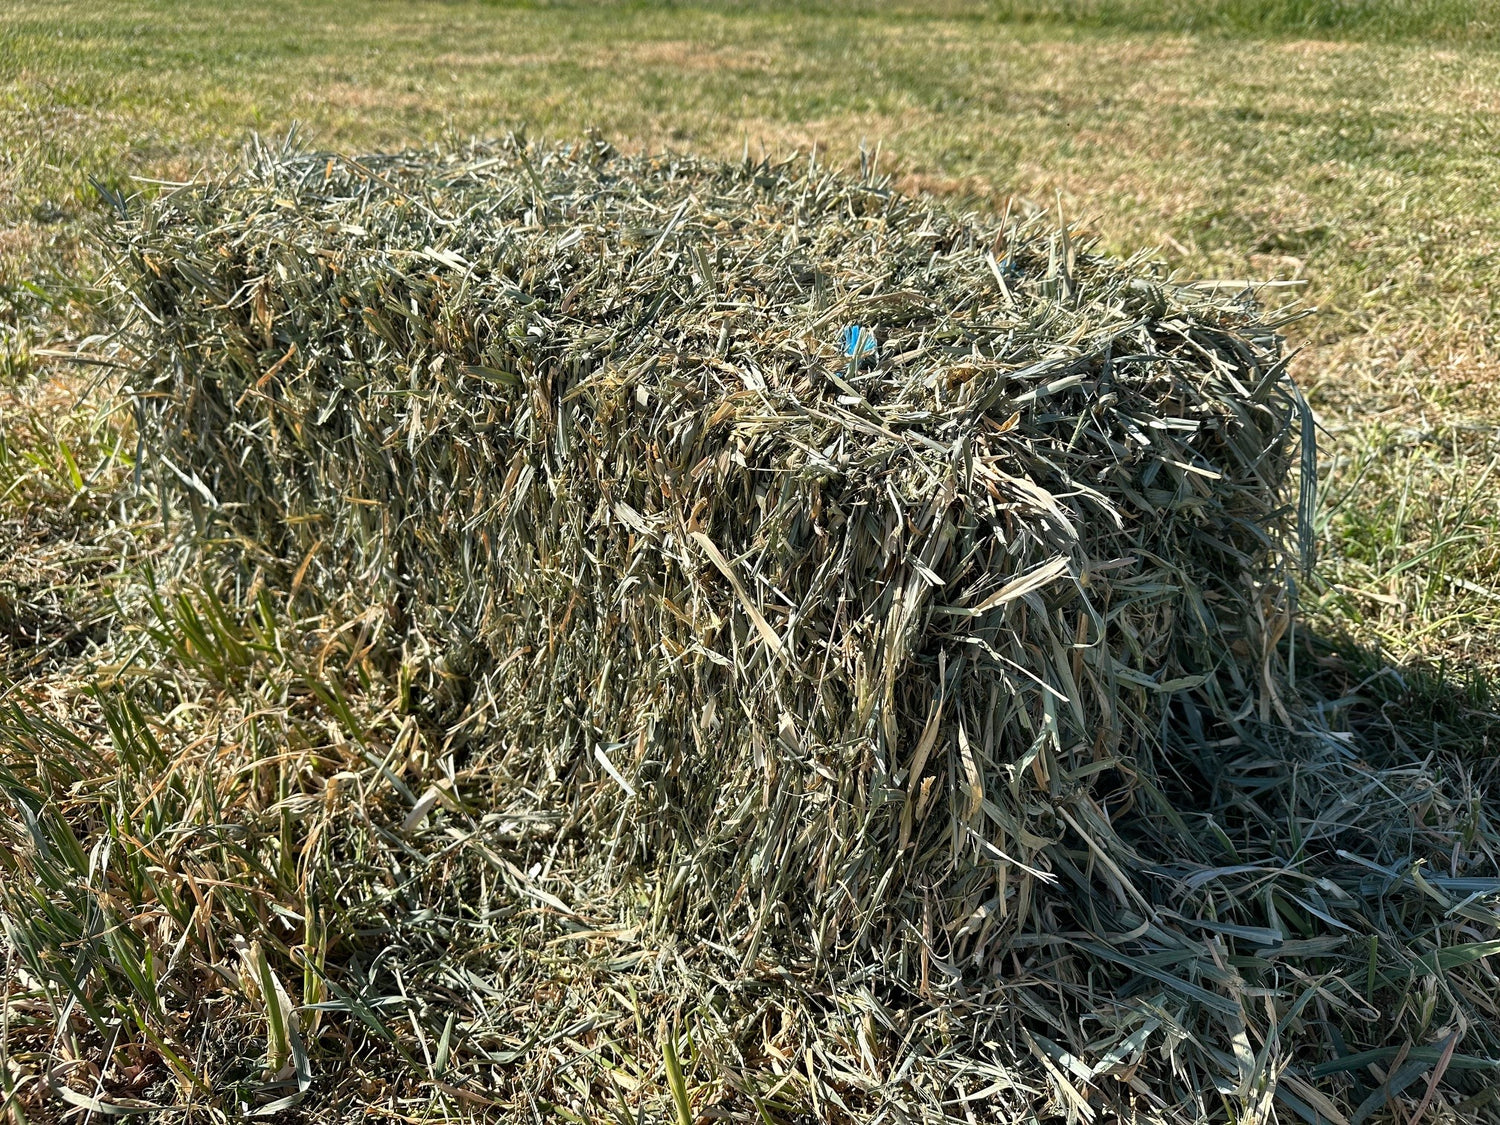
(825, 654)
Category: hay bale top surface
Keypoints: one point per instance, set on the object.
(753, 272)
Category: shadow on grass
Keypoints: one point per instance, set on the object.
(1349, 868)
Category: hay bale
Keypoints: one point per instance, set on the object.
(832, 659)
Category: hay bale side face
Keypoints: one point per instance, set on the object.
(832, 650)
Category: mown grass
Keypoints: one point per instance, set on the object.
(1361, 166)
(1346, 145)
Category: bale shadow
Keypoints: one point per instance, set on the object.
(1345, 869)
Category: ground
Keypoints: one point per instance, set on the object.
(1343, 149)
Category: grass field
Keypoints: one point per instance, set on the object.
(1360, 164)
(1344, 145)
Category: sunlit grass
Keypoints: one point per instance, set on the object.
(206, 732)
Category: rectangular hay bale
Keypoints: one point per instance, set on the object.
(815, 649)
